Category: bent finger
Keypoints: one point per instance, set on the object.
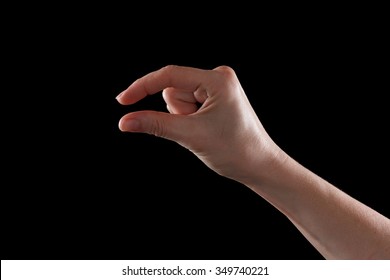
(179, 101)
(180, 77)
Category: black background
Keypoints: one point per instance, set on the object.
(75, 187)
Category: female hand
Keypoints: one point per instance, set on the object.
(224, 132)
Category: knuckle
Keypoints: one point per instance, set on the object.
(227, 74)
(226, 70)
(158, 128)
(169, 68)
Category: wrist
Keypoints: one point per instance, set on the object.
(265, 166)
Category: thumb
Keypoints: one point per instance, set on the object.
(168, 126)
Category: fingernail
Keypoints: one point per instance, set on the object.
(119, 95)
(130, 125)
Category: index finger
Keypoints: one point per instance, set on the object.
(181, 77)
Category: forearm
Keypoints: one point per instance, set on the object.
(226, 134)
(337, 225)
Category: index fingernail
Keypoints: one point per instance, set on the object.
(119, 95)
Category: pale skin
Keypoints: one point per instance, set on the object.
(226, 134)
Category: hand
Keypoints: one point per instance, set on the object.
(224, 132)
(227, 136)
